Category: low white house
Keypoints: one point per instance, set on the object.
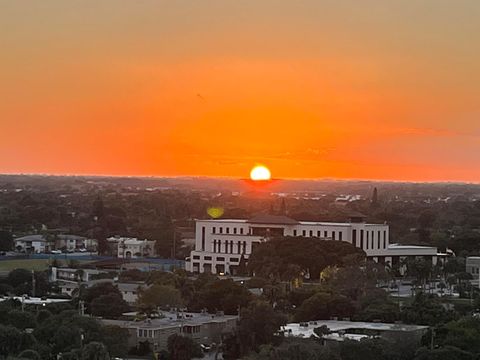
(74, 242)
(131, 248)
(130, 291)
(31, 244)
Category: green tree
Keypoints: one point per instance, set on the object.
(12, 340)
(258, 324)
(289, 257)
(222, 295)
(110, 305)
(365, 349)
(425, 309)
(63, 332)
(324, 305)
(98, 290)
(115, 339)
(95, 351)
(21, 319)
(162, 296)
(376, 305)
(43, 315)
(295, 349)
(446, 353)
(463, 334)
(29, 354)
(6, 240)
(183, 348)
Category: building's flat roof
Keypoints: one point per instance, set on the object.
(410, 247)
(34, 300)
(272, 219)
(171, 320)
(346, 224)
(322, 223)
(35, 237)
(337, 325)
(124, 286)
(223, 220)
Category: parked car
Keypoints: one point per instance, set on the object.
(56, 252)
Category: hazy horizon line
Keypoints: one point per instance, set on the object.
(243, 178)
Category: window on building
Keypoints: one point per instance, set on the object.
(333, 235)
(384, 239)
(214, 246)
(304, 233)
(196, 257)
(238, 247)
(203, 238)
(241, 231)
(244, 247)
(372, 240)
(378, 240)
(318, 233)
(228, 230)
(207, 258)
(325, 234)
(235, 230)
(213, 230)
(221, 230)
(311, 233)
(294, 232)
(220, 258)
(354, 237)
(234, 259)
(361, 239)
(367, 240)
(340, 235)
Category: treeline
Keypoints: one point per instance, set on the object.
(101, 209)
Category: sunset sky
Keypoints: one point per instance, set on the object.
(312, 89)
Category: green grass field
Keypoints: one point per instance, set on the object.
(29, 264)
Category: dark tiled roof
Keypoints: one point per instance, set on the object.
(272, 219)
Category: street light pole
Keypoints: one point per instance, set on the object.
(33, 283)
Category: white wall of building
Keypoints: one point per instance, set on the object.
(220, 244)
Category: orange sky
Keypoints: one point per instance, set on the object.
(313, 89)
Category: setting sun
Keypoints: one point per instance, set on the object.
(260, 172)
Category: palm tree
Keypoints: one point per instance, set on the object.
(79, 275)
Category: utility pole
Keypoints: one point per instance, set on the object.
(174, 241)
(33, 283)
(81, 308)
(432, 334)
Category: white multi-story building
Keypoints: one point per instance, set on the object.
(220, 244)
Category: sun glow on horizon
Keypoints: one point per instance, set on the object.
(260, 172)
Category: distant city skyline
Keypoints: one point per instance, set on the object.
(385, 90)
